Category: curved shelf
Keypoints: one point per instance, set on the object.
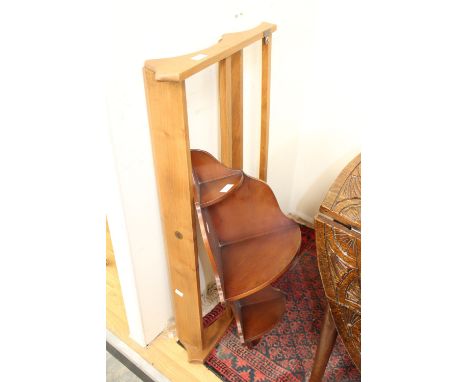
(249, 241)
(253, 264)
(253, 243)
(259, 313)
(212, 180)
(251, 211)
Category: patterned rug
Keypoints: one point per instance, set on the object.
(286, 353)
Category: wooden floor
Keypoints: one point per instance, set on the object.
(163, 353)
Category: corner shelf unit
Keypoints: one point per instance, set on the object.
(167, 115)
(249, 242)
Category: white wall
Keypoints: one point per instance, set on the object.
(315, 121)
(120, 242)
(314, 124)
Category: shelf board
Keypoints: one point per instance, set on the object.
(213, 181)
(260, 312)
(252, 242)
(250, 265)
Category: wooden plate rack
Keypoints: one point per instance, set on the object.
(167, 113)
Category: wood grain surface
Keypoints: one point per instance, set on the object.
(179, 68)
(343, 200)
(338, 240)
(249, 241)
(265, 112)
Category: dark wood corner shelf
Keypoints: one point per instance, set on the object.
(249, 241)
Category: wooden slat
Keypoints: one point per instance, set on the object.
(231, 110)
(179, 68)
(167, 114)
(237, 110)
(265, 118)
(225, 111)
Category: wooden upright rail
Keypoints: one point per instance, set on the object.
(167, 115)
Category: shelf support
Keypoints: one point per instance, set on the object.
(231, 110)
(237, 110)
(169, 138)
(225, 110)
(265, 116)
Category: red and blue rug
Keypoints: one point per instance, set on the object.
(286, 353)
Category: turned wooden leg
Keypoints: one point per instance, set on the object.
(325, 347)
